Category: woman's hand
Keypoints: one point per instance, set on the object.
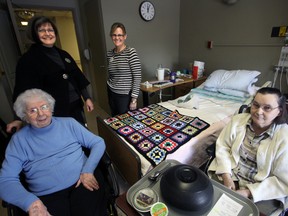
(14, 124)
(133, 104)
(245, 192)
(37, 208)
(89, 181)
(89, 105)
(228, 181)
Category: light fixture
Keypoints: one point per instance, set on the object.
(25, 15)
(24, 23)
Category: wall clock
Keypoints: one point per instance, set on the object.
(147, 11)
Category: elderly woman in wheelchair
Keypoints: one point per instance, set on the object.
(61, 179)
(252, 152)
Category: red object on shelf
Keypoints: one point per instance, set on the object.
(195, 72)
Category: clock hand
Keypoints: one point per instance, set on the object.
(148, 7)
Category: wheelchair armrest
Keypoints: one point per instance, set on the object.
(105, 160)
(211, 150)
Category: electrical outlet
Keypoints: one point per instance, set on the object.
(210, 44)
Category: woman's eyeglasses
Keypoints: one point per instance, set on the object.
(42, 31)
(265, 108)
(117, 35)
(35, 111)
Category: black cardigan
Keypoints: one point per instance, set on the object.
(36, 70)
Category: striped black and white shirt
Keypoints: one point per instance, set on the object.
(124, 71)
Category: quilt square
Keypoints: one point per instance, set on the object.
(156, 155)
(157, 126)
(135, 138)
(200, 124)
(145, 145)
(166, 113)
(134, 112)
(159, 109)
(144, 109)
(117, 124)
(140, 116)
(180, 138)
(147, 131)
(138, 125)
(168, 131)
(110, 120)
(152, 106)
(130, 120)
(169, 145)
(167, 121)
(175, 115)
(186, 119)
(190, 130)
(158, 117)
(126, 130)
(156, 138)
(151, 113)
(148, 121)
(123, 116)
(178, 125)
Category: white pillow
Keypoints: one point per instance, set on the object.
(240, 80)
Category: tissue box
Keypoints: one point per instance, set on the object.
(146, 85)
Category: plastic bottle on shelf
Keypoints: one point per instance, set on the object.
(173, 76)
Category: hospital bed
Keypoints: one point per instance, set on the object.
(139, 140)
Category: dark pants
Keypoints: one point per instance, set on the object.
(78, 201)
(77, 112)
(118, 103)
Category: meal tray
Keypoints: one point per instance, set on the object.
(248, 209)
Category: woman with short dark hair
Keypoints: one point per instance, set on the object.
(252, 152)
(53, 70)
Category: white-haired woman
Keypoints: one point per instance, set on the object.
(48, 151)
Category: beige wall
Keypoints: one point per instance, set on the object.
(69, 40)
(244, 28)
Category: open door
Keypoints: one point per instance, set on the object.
(97, 48)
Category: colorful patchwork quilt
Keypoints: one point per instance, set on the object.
(155, 131)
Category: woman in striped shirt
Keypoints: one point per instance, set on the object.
(124, 69)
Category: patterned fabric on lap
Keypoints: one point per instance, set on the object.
(155, 131)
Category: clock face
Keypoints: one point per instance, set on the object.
(147, 11)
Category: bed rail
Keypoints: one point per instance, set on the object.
(122, 156)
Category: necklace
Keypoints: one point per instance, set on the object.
(121, 49)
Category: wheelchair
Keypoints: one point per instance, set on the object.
(105, 165)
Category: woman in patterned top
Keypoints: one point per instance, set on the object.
(252, 152)
(124, 69)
